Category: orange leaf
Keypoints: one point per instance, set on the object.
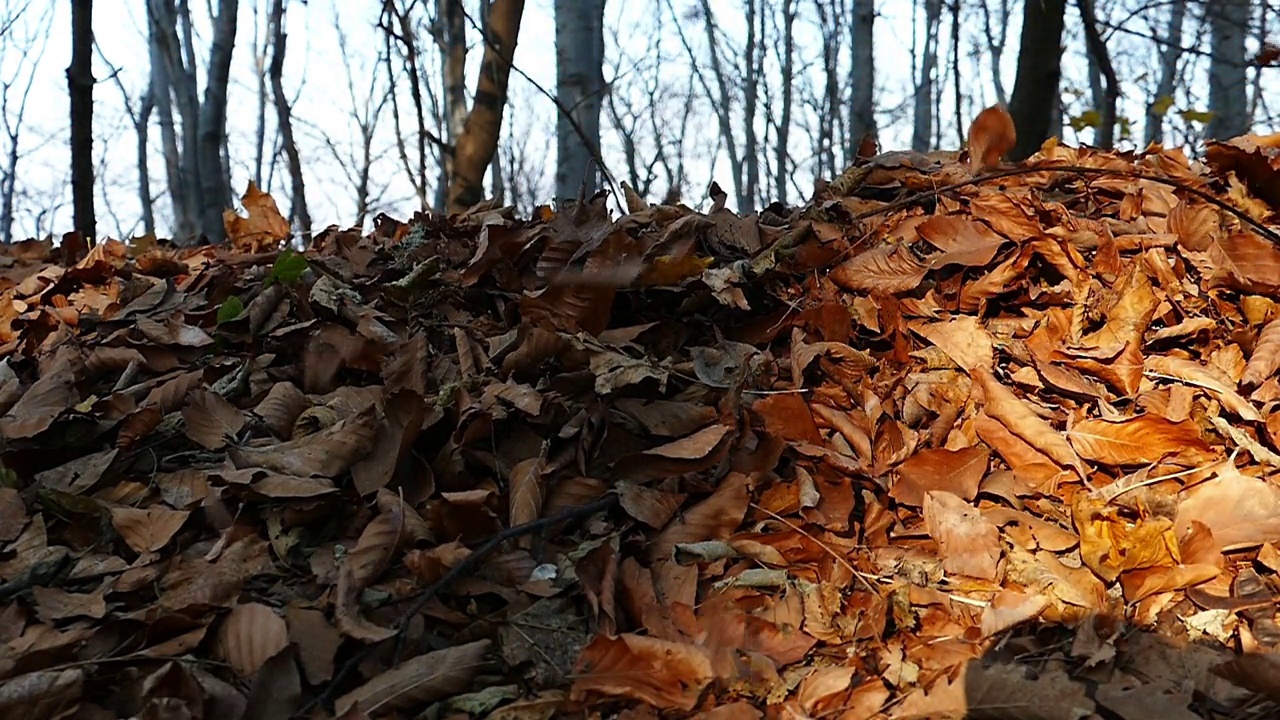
(1138, 440)
(991, 135)
(264, 228)
(664, 674)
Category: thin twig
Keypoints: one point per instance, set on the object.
(465, 565)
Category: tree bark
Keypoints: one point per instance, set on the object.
(215, 187)
(1170, 51)
(1035, 89)
(1228, 97)
(781, 171)
(995, 43)
(452, 41)
(580, 91)
(922, 129)
(1104, 137)
(80, 87)
(285, 122)
(862, 101)
(475, 147)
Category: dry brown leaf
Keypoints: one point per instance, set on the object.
(962, 241)
(956, 471)
(327, 453)
(991, 135)
(715, 518)
(316, 639)
(661, 673)
(1265, 359)
(1241, 511)
(50, 395)
(419, 680)
(964, 340)
(211, 421)
(968, 543)
(884, 269)
(526, 490)
(147, 530)
(264, 228)
(1001, 404)
(45, 694)
(1140, 440)
(251, 634)
(1214, 381)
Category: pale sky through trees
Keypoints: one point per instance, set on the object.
(315, 77)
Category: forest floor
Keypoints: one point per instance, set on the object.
(920, 448)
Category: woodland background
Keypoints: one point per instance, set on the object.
(342, 110)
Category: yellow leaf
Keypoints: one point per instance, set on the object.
(1197, 116)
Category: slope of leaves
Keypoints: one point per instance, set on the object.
(1004, 450)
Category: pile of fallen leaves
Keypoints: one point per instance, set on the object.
(929, 445)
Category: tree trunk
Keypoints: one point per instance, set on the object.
(260, 112)
(862, 103)
(215, 187)
(285, 122)
(1104, 137)
(753, 70)
(781, 171)
(831, 120)
(80, 87)
(1170, 51)
(451, 38)
(173, 81)
(579, 91)
(995, 43)
(922, 128)
(1035, 89)
(479, 139)
(724, 107)
(1228, 25)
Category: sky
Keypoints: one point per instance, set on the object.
(317, 78)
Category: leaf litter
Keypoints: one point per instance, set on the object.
(927, 446)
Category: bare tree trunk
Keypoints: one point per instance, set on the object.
(1228, 101)
(1105, 136)
(451, 37)
(1170, 51)
(922, 129)
(956, 83)
(831, 117)
(724, 106)
(782, 171)
(80, 87)
(753, 71)
(141, 128)
(476, 145)
(580, 91)
(214, 183)
(260, 112)
(398, 26)
(996, 40)
(1035, 89)
(862, 102)
(173, 80)
(285, 122)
